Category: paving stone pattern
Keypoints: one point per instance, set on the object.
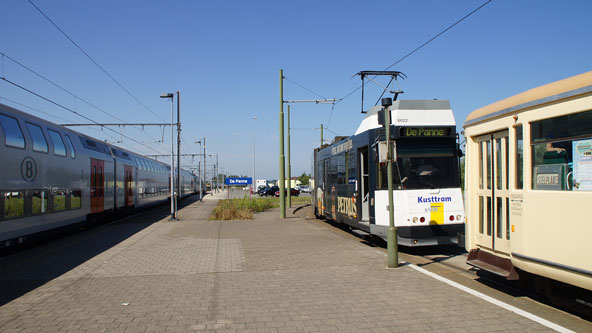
(263, 275)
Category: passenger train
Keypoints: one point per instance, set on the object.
(528, 185)
(53, 177)
(351, 181)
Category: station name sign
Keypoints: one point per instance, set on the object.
(425, 132)
(238, 181)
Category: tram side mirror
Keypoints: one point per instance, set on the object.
(380, 115)
(460, 153)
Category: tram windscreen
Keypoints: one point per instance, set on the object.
(422, 165)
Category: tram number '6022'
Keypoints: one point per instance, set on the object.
(28, 169)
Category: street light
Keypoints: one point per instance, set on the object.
(253, 185)
(170, 95)
(199, 172)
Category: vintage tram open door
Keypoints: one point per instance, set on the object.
(97, 187)
(493, 195)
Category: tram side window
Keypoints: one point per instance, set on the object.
(70, 145)
(562, 152)
(14, 204)
(519, 157)
(58, 144)
(40, 201)
(13, 136)
(39, 142)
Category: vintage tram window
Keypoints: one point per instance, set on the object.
(481, 228)
(499, 217)
(59, 200)
(489, 161)
(70, 145)
(508, 218)
(481, 164)
(40, 201)
(76, 199)
(519, 157)
(39, 141)
(488, 216)
(13, 136)
(58, 144)
(561, 151)
(14, 204)
(499, 166)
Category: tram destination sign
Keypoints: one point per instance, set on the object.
(425, 132)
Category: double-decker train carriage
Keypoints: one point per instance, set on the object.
(53, 177)
(351, 182)
(529, 183)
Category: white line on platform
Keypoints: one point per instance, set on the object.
(493, 300)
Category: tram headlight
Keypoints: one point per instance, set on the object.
(458, 217)
(451, 218)
(422, 219)
(415, 219)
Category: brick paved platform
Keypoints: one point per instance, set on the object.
(150, 274)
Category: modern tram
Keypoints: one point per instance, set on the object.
(351, 181)
(528, 181)
(54, 178)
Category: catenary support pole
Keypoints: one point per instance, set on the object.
(178, 154)
(289, 176)
(392, 251)
(282, 181)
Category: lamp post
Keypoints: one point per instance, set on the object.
(178, 153)
(199, 172)
(170, 95)
(253, 185)
(204, 152)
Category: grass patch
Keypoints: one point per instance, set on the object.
(244, 208)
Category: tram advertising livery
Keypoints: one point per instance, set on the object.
(351, 177)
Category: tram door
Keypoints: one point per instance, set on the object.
(493, 195)
(364, 191)
(97, 189)
(128, 185)
(326, 187)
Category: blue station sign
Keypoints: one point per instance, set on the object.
(238, 181)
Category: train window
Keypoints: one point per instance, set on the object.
(76, 199)
(489, 161)
(519, 157)
(14, 204)
(58, 144)
(40, 201)
(39, 142)
(13, 136)
(70, 145)
(59, 200)
(499, 163)
(561, 149)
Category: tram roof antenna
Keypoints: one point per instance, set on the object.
(393, 74)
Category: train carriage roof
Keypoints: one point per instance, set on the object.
(572, 86)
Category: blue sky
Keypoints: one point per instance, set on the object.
(225, 56)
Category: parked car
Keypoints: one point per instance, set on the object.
(262, 190)
(293, 192)
(271, 191)
(304, 189)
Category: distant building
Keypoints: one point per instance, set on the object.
(260, 182)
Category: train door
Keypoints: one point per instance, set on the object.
(363, 190)
(326, 186)
(97, 188)
(128, 185)
(493, 195)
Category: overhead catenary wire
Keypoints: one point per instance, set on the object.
(68, 92)
(72, 111)
(419, 47)
(91, 59)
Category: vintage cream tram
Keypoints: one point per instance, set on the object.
(528, 184)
